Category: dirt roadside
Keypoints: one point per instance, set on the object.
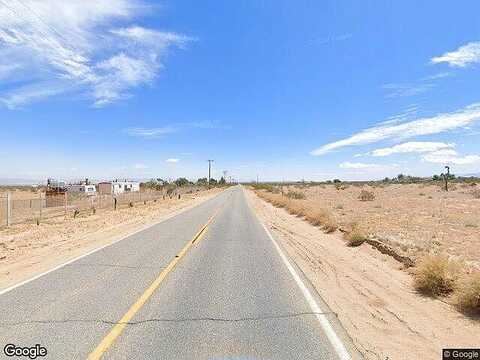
(28, 249)
(372, 296)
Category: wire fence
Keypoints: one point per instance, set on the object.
(42, 207)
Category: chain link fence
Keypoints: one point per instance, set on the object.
(41, 207)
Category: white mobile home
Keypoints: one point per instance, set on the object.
(118, 187)
(84, 189)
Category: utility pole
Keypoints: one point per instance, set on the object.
(446, 177)
(209, 171)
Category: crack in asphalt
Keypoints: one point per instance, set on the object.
(153, 320)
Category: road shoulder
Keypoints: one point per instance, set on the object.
(371, 295)
(29, 250)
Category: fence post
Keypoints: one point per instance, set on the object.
(41, 206)
(66, 203)
(9, 209)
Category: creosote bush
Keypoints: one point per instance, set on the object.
(355, 237)
(366, 195)
(295, 195)
(436, 275)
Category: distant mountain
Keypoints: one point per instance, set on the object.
(471, 175)
(20, 181)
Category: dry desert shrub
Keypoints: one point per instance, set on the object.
(355, 237)
(302, 208)
(366, 195)
(295, 195)
(315, 217)
(467, 296)
(436, 275)
(329, 225)
(320, 217)
(298, 208)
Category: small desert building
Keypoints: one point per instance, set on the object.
(118, 187)
(82, 188)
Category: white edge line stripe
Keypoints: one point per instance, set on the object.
(324, 323)
(4, 291)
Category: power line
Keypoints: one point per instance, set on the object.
(43, 21)
(42, 34)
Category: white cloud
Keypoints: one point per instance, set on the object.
(119, 73)
(437, 76)
(7, 70)
(33, 92)
(423, 126)
(412, 147)
(140, 166)
(405, 90)
(153, 38)
(463, 56)
(173, 128)
(350, 165)
(449, 156)
(71, 45)
(151, 133)
(408, 114)
(172, 160)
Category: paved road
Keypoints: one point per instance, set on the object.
(231, 296)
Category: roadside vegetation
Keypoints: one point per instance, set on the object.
(294, 202)
(438, 269)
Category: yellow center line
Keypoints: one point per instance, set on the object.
(110, 338)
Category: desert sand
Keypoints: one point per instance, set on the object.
(370, 292)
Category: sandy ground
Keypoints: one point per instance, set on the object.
(373, 298)
(28, 249)
(414, 218)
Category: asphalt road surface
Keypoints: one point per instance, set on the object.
(208, 283)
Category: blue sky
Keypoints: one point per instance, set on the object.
(283, 89)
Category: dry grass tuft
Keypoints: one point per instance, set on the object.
(298, 208)
(436, 275)
(329, 225)
(467, 296)
(302, 208)
(355, 237)
(366, 195)
(295, 195)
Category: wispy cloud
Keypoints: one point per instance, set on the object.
(73, 46)
(449, 156)
(150, 133)
(158, 132)
(405, 90)
(140, 166)
(423, 126)
(172, 160)
(465, 55)
(409, 113)
(358, 165)
(412, 147)
(438, 76)
(333, 38)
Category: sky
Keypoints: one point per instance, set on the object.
(282, 90)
